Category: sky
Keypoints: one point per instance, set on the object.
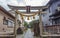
(4, 3)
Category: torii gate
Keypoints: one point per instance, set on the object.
(39, 8)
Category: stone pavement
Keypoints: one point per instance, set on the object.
(27, 34)
(20, 36)
(36, 37)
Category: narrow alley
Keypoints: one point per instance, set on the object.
(27, 34)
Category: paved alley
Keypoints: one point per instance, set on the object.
(28, 34)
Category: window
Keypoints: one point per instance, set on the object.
(59, 5)
(10, 23)
(5, 22)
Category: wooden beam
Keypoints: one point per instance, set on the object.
(51, 35)
(24, 7)
(23, 14)
(30, 14)
(6, 35)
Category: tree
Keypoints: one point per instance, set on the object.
(32, 23)
(25, 24)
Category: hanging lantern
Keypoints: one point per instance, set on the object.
(33, 17)
(28, 18)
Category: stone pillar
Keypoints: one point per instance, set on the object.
(40, 24)
(15, 32)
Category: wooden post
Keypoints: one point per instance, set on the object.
(22, 21)
(15, 32)
(40, 24)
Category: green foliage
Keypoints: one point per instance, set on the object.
(25, 24)
(32, 22)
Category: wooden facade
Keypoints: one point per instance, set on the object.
(56, 17)
(5, 16)
(6, 23)
(52, 29)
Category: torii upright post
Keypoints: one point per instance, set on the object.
(15, 25)
(40, 24)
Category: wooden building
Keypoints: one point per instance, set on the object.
(54, 18)
(6, 21)
(52, 23)
(53, 29)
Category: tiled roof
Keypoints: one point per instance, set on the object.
(51, 2)
(6, 12)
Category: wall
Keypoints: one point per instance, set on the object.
(2, 15)
(55, 29)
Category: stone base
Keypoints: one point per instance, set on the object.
(6, 37)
